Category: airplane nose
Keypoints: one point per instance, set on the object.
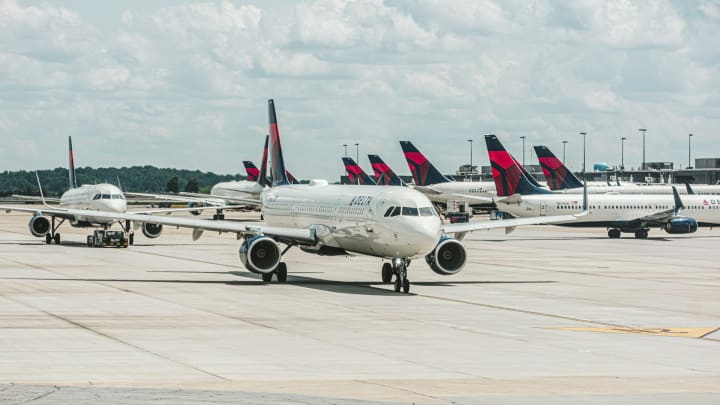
(428, 234)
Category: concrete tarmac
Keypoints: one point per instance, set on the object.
(544, 315)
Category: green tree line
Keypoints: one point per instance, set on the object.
(140, 179)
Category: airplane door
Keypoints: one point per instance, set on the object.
(543, 209)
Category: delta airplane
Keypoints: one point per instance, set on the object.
(630, 213)
(561, 179)
(356, 174)
(383, 173)
(397, 224)
(83, 207)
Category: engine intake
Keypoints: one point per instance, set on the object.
(260, 254)
(448, 257)
(39, 225)
(681, 225)
(151, 231)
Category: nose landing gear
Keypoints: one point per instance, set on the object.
(399, 269)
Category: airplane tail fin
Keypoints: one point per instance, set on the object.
(383, 173)
(72, 179)
(277, 171)
(424, 173)
(558, 176)
(253, 173)
(507, 173)
(355, 173)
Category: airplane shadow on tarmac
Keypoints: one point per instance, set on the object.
(341, 287)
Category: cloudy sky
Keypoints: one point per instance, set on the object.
(185, 84)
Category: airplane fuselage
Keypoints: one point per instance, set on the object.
(655, 189)
(442, 192)
(613, 210)
(358, 218)
(94, 197)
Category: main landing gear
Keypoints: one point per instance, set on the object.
(218, 215)
(53, 236)
(641, 234)
(280, 273)
(614, 233)
(398, 267)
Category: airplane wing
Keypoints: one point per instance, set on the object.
(306, 236)
(36, 198)
(207, 199)
(511, 224)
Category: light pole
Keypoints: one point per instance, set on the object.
(622, 153)
(643, 130)
(523, 138)
(471, 145)
(564, 145)
(357, 153)
(689, 149)
(584, 135)
(345, 146)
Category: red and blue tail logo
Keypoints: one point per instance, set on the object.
(384, 175)
(277, 172)
(423, 172)
(557, 175)
(72, 179)
(355, 173)
(263, 175)
(507, 173)
(253, 173)
(291, 178)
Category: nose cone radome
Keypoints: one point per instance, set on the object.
(118, 206)
(427, 234)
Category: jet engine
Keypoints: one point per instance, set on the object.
(194, 204)
(151, 231)
(260, 254)
(39, 225)
(681, 225)
(448, 257)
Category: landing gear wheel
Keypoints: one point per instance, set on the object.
(90, 240)
(48, 238)
(281, 272)
(397, 284)
(641, 234)
(614, 233)
(267, 277)
(131, 239)
(56, 238)
(387, 273)
(406, 286)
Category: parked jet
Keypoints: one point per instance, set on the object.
(394, 223)
(83, 206)
(356, 174)
(630, 213)
(383, 173)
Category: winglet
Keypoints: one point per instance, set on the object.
(678, 202)
(262, 177)
(42, 196)
(279, 177)
(689, 188)
(72, 178)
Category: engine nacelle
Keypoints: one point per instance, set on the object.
(151, 231)
(39, 225)
(194, 204)
(260, 254)
(448, 257)
(681, 225)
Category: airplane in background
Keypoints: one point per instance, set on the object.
(561, 179)
(397, 224)
(82, 206)
(439, 188)
(384, 175)
(628, 213)
(356, 174)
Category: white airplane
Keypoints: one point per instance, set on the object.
(227, 193)
(631, 213)
(394, 223)
(83, 207)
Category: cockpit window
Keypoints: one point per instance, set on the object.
(97, 197)
(410, 211)
(389, 210)
(396, 212)
(117, 197)
(427, 211)
(106, 196)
